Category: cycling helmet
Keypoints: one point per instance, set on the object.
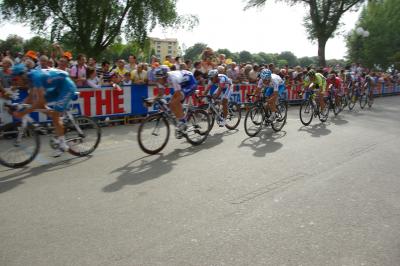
(161, 71)
(18, 69)
(265, 74)
(212, 73)
(311, 73)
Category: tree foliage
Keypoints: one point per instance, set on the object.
(322, 20)
(194, 52)
(13, 43)
(93, 25)
(382, 20)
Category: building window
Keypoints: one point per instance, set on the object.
(158, 51)
(170, 51)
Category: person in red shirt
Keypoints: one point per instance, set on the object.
(334, 84)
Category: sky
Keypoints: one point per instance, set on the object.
(274, 28)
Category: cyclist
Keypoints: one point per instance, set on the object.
(317, 81)
(369, 80)
(47, 86)
(335, 84)
(223, 90)
(184, 84)
(273, 85)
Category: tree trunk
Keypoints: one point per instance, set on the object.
(321, 51)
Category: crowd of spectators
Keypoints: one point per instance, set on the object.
(87, 72)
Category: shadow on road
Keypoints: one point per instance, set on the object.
(317, 130)
(154, 166)
(265, 143)
(338, 120)
(15, 179)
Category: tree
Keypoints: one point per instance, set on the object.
(307, 61)
(323, 18)
(289, 57)
(267, 58)
(245, 56)
(38, 44)
(379, 47)
(194, 52)
(93, 25)
(13, 43)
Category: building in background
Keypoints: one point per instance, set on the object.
(164, 47)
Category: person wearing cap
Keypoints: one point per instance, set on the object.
(53, 86)
(32, 55)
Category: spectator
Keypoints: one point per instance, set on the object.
(178, 63)
(92, 80)
(78, 71)
(150, 74)
(221, 59)
(29, 63)
(233, 73)
(120, 69)
(127, 79)
(139, 76)
(253, 74)
(168, 61)
(92, 62)
(104, 73)
(63, 64)
(43, 62)
(197, 66)
(5, 72)
(31, 55)
(132, 64)
(188, 64)
(200, 77)
(221, 69)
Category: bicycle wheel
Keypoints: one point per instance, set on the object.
(234, 116)
(153, 134)
(370, 100)
(344, 101)
(352, 100)
(324, 113)
(363, 100)
(198, 127)
(337, 107)
(253, 121)
(280, 120)
(82, 135)
(18, 146)
(306, 112)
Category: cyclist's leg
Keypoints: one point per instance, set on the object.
(176, 104)
(225, 101)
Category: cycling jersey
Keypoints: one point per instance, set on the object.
(59, 88)
(224, 83)
(337, 82)
(276, 84)
(182, 80)
(319, 81)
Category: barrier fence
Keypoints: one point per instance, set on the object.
(108, 102)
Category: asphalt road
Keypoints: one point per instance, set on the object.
(326, 194)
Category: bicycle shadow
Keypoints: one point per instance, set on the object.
(263, 144)
(338, 120)
(151, 167)
(15, 179)
(316, 130)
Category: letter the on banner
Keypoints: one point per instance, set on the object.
(86, 95)
(100, 102)
(117, 100)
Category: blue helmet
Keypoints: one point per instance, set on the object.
(265, 74)
(161, 71)
(212, 73)
(18, 69)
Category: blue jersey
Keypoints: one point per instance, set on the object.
(50, 80)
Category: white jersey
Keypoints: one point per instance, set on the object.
(178, 78)
(276, 81)
(224, 82)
